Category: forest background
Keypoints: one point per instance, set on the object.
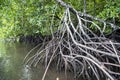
(30, 17)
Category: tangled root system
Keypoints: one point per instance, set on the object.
(77, 48)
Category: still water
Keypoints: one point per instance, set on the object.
(13, 68)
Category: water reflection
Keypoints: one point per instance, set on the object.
(10, 61)
(12, 67)
(26, 73)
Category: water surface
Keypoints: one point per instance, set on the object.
(12, 67)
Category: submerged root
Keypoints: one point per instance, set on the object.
(78, 49)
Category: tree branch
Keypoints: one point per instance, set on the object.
(84, 14)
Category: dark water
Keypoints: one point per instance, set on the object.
(12, 67)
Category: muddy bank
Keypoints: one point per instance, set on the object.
(34, 39)
(38, 38)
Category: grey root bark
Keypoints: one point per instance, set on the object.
(76, 48)
(62, 3)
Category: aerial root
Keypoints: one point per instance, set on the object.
(80, 50)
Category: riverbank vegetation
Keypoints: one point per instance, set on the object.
(79, 36)
(31, 17)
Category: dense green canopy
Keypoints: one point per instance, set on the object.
(28, 17)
